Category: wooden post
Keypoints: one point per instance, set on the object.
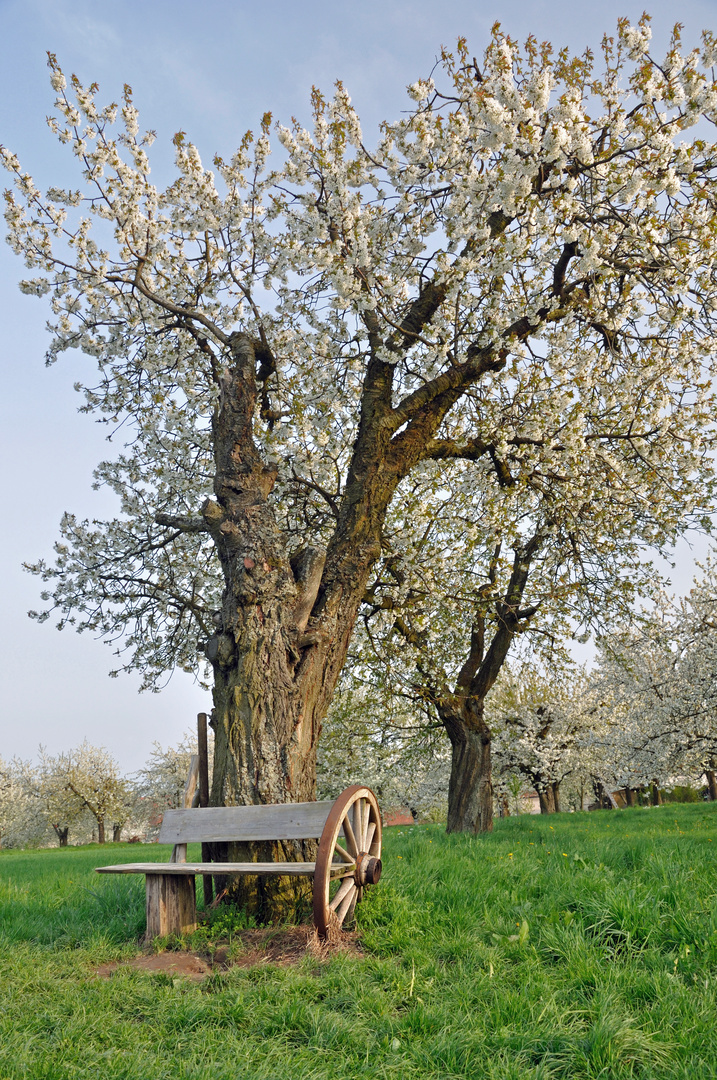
(207, 881)
(203, 759)
(171, 905)
(191, 785)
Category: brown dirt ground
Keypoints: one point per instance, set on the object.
(251, 948)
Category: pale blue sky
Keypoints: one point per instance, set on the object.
(210, 69)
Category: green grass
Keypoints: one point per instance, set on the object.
(573, 946)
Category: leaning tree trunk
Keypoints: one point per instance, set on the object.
(470, 789)
(655, 795)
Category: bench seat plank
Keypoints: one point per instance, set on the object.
(219, 869)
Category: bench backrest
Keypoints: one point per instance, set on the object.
(283, 821)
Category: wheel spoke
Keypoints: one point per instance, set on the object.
(348, 901)
(346, 886)
(350, 838)
(365, 813)
(344, 853)
(356, 822)
(352, 905)
(370, 834)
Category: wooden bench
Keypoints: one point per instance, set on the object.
(348, 858)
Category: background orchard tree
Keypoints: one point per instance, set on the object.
(285, 349)
(537, 717)
(589, 445)
(56, 805)
(6, 787)
(375, 735)
(19, 824)
(476, 570)
(91, 778)
(630, 715)
(694, 685)
(654, 687)
(162, 781)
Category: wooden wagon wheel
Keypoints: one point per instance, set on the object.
(344, 868)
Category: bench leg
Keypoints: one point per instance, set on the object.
(171, 905)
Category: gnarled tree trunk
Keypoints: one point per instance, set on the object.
(470, 789)
(286, 620)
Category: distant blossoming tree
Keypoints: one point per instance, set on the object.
(654, 693)
(19, 824)
(162, 780)
(521, 275)
(373, 733)
(538, 717)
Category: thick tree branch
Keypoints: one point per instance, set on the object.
(508, 614)
(183, 522)
(447, 449)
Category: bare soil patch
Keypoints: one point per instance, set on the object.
(250, 948)
(192, 965)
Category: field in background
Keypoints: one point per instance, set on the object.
(570, 946)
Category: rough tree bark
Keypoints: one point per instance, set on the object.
(546, 798)
(711, 778)
(470, 789)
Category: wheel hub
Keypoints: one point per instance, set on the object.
(368, 869)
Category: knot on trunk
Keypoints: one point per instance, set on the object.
(219, 650)
(213, 514)
(307, 566)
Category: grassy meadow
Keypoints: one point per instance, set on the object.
(572, 946)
